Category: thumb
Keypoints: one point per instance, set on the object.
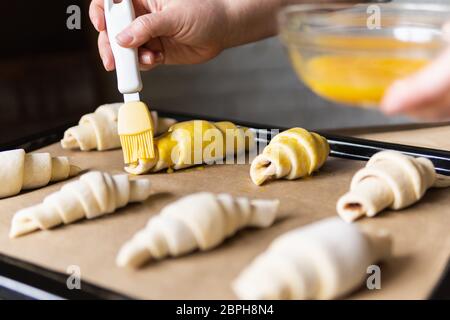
(144, 28)
(417, 91)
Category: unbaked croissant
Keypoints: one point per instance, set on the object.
(199, 221)
(21, 171)
(291, 154)
(390, 179)
(195, 142)
(324, 260)
(93, 195)
(98, 130)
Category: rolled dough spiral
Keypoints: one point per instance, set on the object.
(98, 130)
(390, 179)
(93, 195)
(324, 260)
(195, 142)
(291, 154)
(199, 221)
(21, 171)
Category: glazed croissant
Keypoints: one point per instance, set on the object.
(93, 195)
(21, 171)
(195, 142)
(98, 130)
(390, 179)
(324, 260)
(291, 154)
(199, 221)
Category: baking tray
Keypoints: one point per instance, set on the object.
(23, 280)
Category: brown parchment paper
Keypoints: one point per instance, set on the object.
(421, 237)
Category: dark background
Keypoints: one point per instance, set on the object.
(50, 76)
(48, 73)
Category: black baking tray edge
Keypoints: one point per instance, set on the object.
(24, 280)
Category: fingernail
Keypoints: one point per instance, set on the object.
(124, 37)
(159, 57)
(95, 23)
(105, 63)
(146, 59)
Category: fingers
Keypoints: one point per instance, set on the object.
(405, 97)
(151, 54)
(435, 114)
(433, 109)
(97, 16)
(145, 28)
(400, 98)
(105, 51)
(149, 59)
(425, 94)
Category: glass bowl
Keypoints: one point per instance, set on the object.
(351, 54)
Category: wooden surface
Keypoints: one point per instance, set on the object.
(434, 138)
(421, 240)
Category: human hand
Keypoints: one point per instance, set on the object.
(167, 31)
(188, 32)
(424, 95)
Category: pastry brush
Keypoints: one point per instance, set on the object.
(135, 125)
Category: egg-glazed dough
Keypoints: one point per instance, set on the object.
(195, 142)
(291, 154)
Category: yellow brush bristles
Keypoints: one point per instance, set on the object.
(135, 129)
(138, 146)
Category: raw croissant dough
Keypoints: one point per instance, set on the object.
(93, 195)
(21, 171)
(98, 130)
(324, 260)
(199, 221)
(194, 142)
(390, 179)
(291, 154)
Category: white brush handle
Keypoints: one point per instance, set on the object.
(118, 17)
